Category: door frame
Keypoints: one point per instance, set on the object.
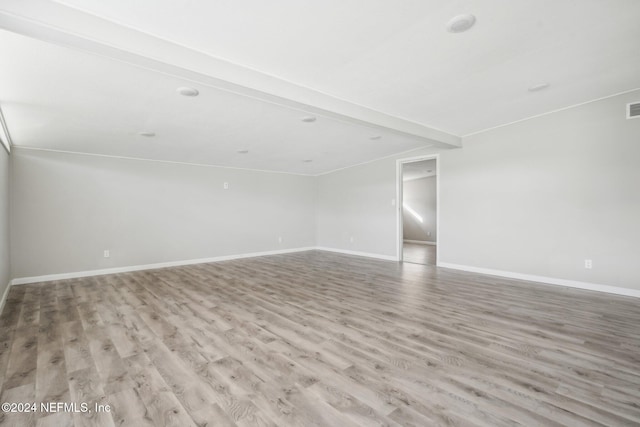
(399, 198)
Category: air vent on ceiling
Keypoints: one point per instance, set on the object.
(633, 110)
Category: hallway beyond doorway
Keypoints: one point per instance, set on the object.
(419, 254)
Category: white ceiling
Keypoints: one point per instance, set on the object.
(61, 99)
(417, 170)
(363, 67)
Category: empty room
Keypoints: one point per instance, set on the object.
(339, 213)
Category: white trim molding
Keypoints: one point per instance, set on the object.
(546, 280)
(480, 270)
(546, 113)
(420, 242)
(5, 136)
(141, 159)
(126, 269)
(73, 275)
(4, 297)
(357, 253)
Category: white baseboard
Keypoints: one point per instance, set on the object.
(357, 253)
(489, 271)
(62, 276)
(547, 280)
(420, 242)
(4, 297)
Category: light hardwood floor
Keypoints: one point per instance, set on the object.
(419, 254)
(320, 339)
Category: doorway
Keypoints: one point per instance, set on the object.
(418, 210)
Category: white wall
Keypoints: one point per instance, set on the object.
(68, 208)
(536, 197)
(541, 196)
(420, 196)
(357, 203)
(4, 221)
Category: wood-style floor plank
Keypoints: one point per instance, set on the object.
(319, 339)
(418, 253)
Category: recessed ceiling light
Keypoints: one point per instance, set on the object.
(536, 88)
(309, 119)
(243, 151)
(375, 138)
(147, 134)
(307, 160)
(461, 23)
(187, 91)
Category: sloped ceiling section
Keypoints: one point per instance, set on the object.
(380, 76)
(80, 83)
(63, 99)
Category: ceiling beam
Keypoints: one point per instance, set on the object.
(55, 23)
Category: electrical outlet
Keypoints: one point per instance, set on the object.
(588, 264)
(393, 202)
(106, 253)
(429, 233)
(225, 186)
(279, 239)
(351, 239)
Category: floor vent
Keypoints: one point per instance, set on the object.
(633, 110)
